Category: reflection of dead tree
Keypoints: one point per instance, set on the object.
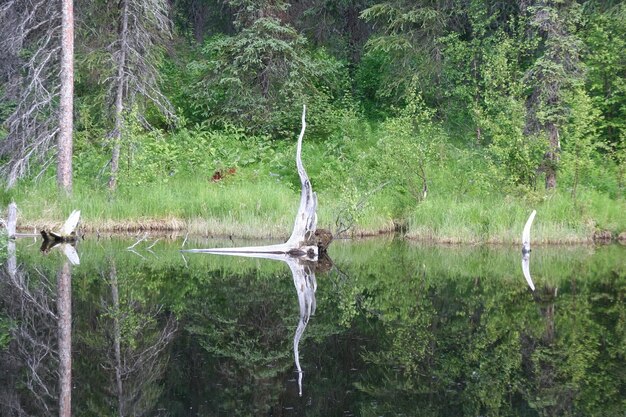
(306, 285)
(138, 366)
(30, 305)
(303, 272)
(31, 82)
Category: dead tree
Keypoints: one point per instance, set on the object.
(305, 240)
(66, 110)
(31, 84)
(143, 28)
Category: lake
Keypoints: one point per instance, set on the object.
(383, 328)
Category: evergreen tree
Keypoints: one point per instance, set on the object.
(407, 45)
(553, 74)
(262, 73)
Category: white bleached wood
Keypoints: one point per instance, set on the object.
(70, 253)
(304, 226)
(526, 250)
(526, 232)
(12, 220)
(70, 224)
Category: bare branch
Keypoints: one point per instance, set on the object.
(32, 85)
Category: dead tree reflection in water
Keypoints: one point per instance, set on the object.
(39, 354)
(136, 355)
(303, 272)
(306, 285)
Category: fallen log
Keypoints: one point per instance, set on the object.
(67, 233)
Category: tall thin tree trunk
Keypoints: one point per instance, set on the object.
(64, 311)
(66, 111)
(552, 156)
(119, 97)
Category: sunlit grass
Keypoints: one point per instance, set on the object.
(260, 209)
(266, 209)
(498, 219)
(256, 204)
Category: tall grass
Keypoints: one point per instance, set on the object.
(494, 220)
(261, 199)
(266, 208)
(260, 209)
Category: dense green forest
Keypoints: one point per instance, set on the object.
(444, 119)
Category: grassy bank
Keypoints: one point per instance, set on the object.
(264, 208)
(369, 180)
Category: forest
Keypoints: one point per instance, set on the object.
(445, 120)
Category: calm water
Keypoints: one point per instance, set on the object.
(386, 329)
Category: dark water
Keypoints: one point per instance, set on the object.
(398, 330)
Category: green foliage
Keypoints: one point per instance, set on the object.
(492, 77)
(604, 37)
(409, 146)
(513, 156)
(5, 332)
(407, 37)
(581, 143)
(261, 75)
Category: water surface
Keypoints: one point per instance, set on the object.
(399, 329)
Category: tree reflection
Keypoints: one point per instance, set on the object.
(130, 340)
(405, 329)
(40, 341)
(461, 340)
(304, 280)
(64, 311)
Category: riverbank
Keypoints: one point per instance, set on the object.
(265, 210)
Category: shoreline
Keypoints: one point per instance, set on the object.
(175, 227)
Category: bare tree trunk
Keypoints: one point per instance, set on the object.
(64, 311)
(119, 97)
(64, 155)
(552, 156)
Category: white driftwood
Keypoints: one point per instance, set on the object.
(305, 223)
(70, 224)
(68, 227)
(526, 250)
